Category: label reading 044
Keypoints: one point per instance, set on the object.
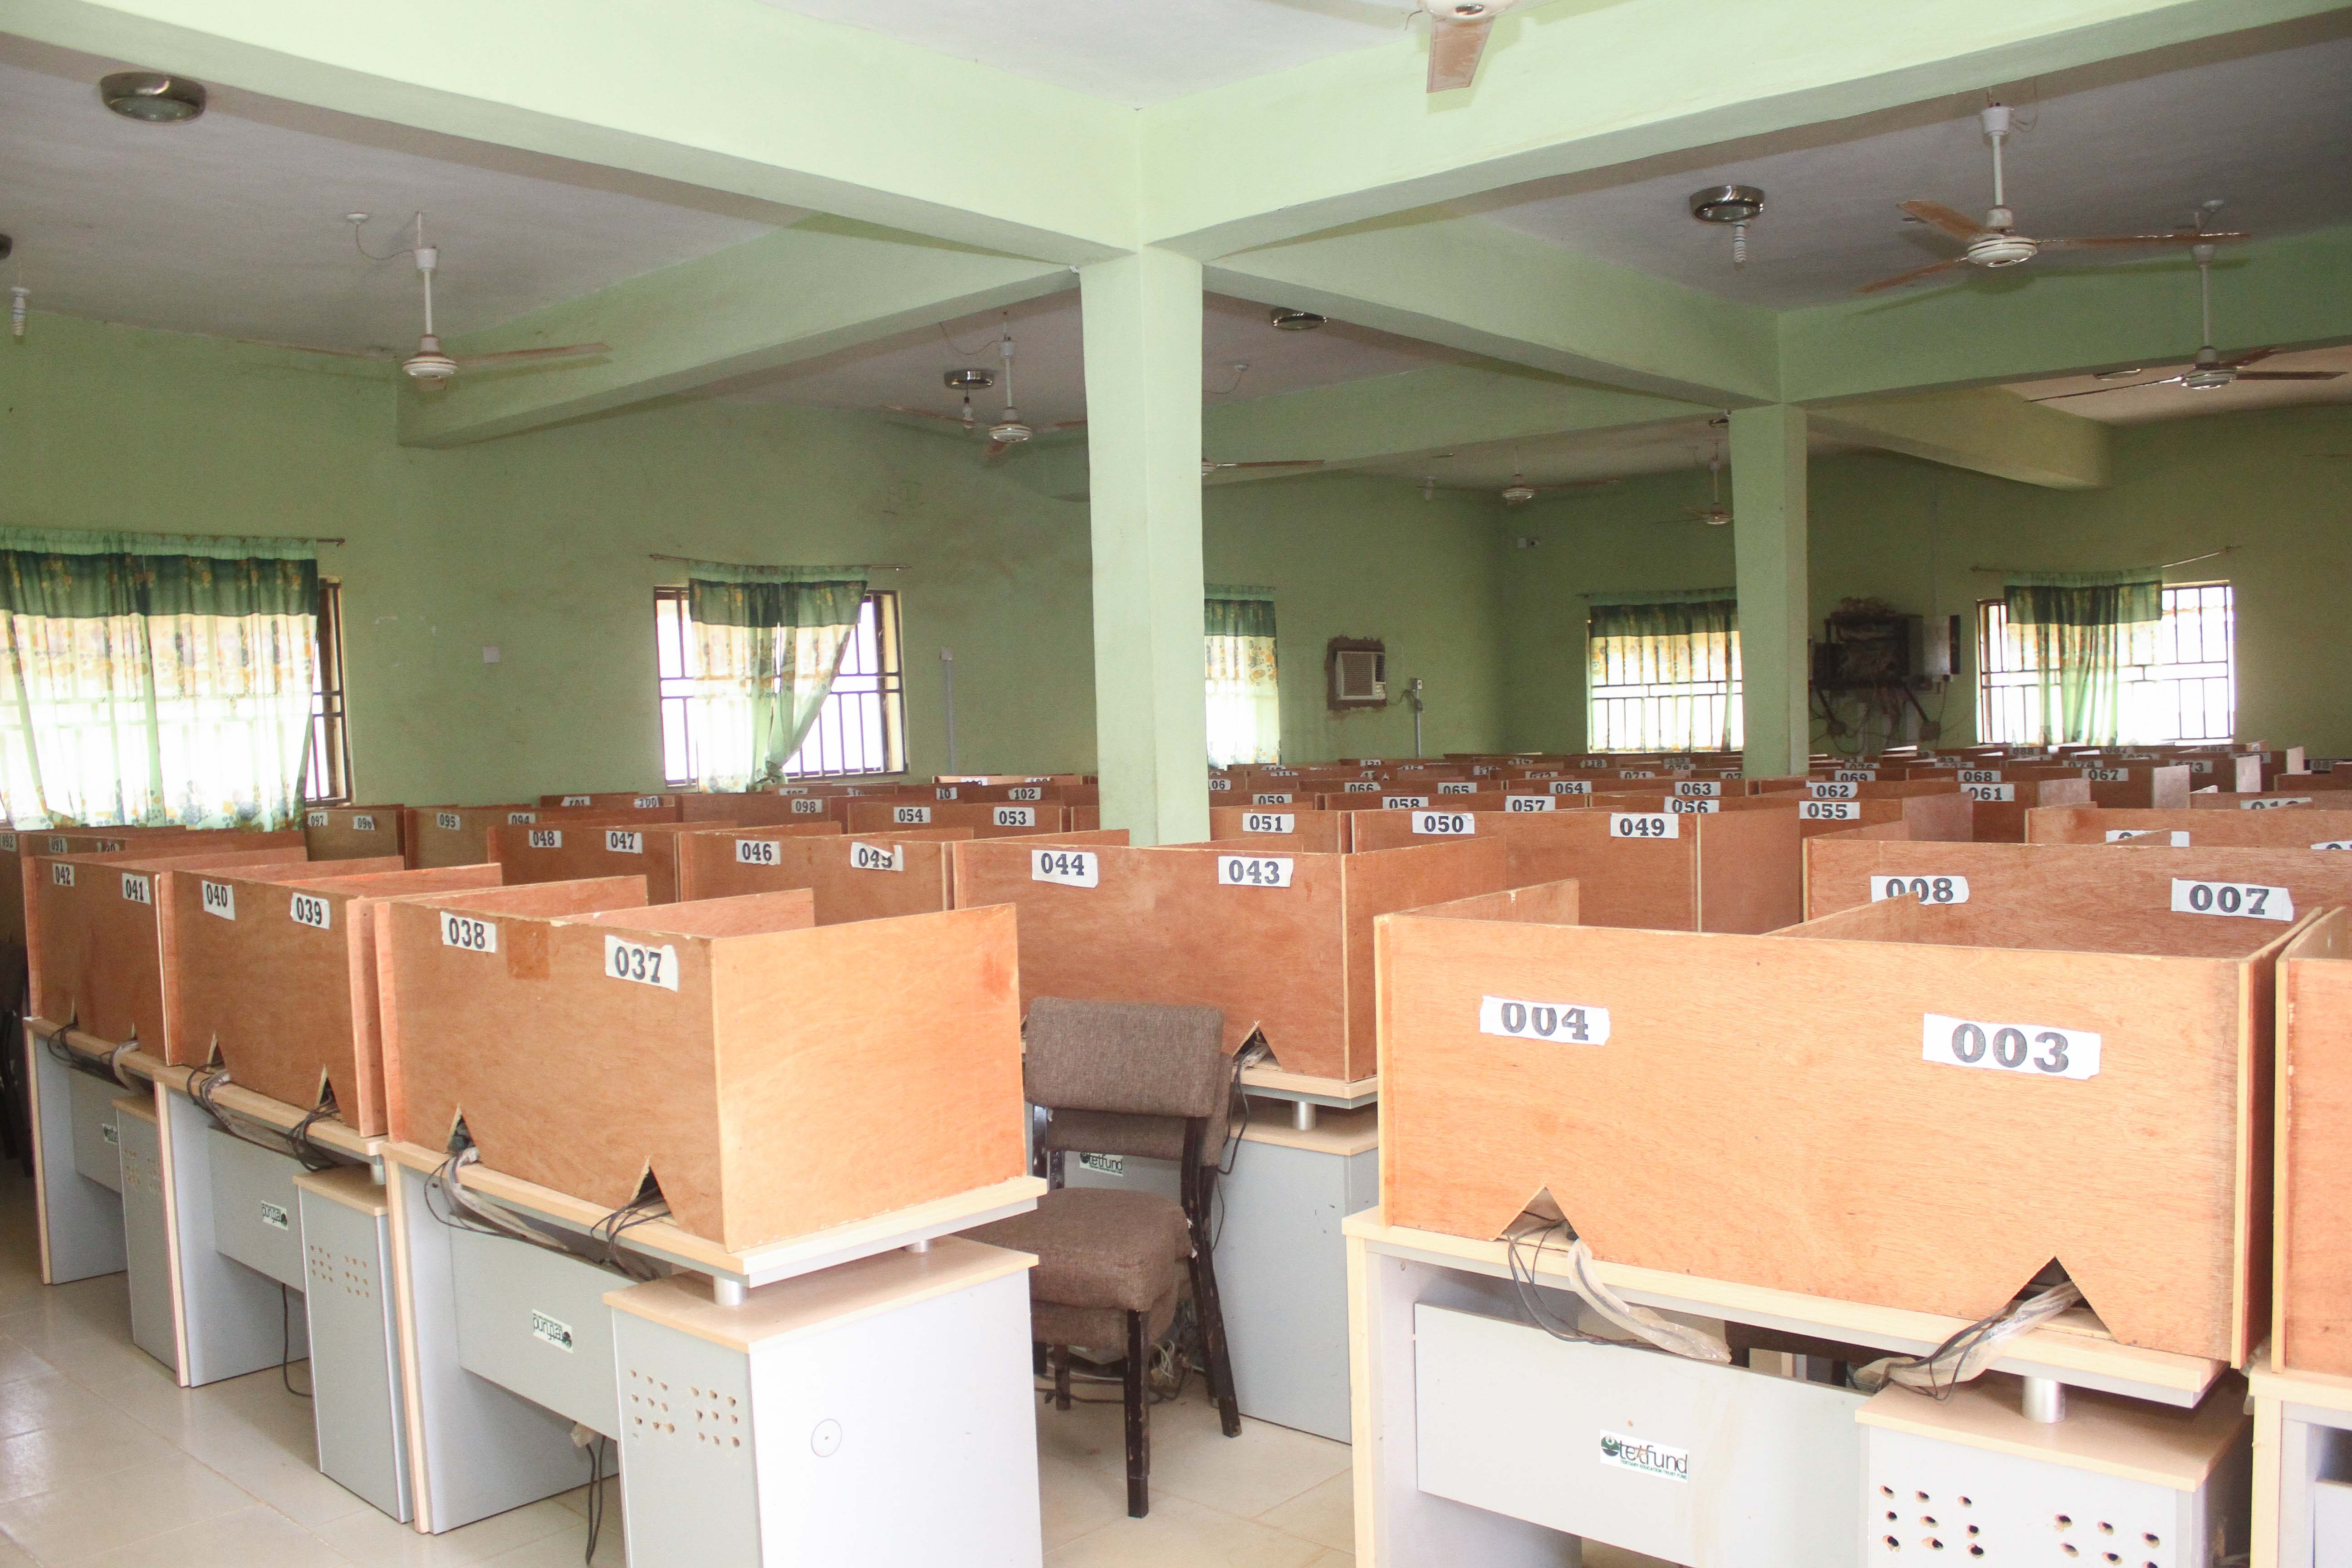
(1254, 871)
(641, 964)
(2038, 1051)
(1518, 1020)
(1070, 868)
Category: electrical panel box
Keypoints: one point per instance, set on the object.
(1859, 651)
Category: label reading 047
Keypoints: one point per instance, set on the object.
(1269, 822)
(1643, 825)
(308, 910)
(2036, 1049)
(1016, 817)
(1517, 1020)
(1070, 868)
(468, 933)
(1254, 871)
(624, 841)
(1450, 822)
(874, 858)
(910, 815)
(644, 965)
(1926, 889)
(2245, 899)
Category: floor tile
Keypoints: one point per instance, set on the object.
(244, 1539)
(52, 1457)
(31, 1402)
(368, 1537)
(1323, 1513)
(90, 1514)
(563, 1549)
(19, 1361)
(1267, 1464)
(1076, 1498)
(1597, 1556)
(1180, 1533)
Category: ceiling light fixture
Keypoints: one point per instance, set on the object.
(152, 97)
(1294, 320)
(1735, 205)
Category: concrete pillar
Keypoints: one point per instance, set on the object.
(1144, 444)
(1767, 527)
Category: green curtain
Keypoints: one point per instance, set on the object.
(766, 643)
(1244, 690)
(2077, 633)
(1662, 673)
(154, 678)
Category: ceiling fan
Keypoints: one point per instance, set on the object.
(2208, 371)
(1995, 243)
(1518, 492)
(1208, 467)
(1458, 38)
(1008, 429)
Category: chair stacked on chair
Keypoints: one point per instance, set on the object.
(1142, 1082)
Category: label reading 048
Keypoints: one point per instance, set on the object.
(308, 910)
(1528, 802)
(2245, 899)
(1070, 868)
(874, 858)
(910, 815)
(1517, 1020)
(1269, 822)
(1016, 817)
(641, 964)
(1254, 871)
(624, 841)
(1643, 825)
(2036, 1049)
(469, 933)
(1447, 823)
(546, 837)
(1926, 889)
(757, 851)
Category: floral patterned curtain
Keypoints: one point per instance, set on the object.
(1662, 674)
(155, 679)
(766, 643)
(2078, 632)
(1245, 701)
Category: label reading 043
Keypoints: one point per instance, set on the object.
(308, 910)
(1070, 868)
(1518, 1020)
(468, 933)
(1643, 825)
(1269, 822)
(1926, 889)
(1254, 871)
(2035, 1049)
(641, 964)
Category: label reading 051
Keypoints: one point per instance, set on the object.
(1269, 822)
(641, 964)
(1070, 868)
(1254, 871)
(2036, 1049)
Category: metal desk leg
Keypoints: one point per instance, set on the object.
(80, 1220)
(231, 1318)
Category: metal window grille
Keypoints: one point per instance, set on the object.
(861, 729)
(1671, 715)
(2188, 691)
(327, 771)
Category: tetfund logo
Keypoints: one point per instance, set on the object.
(1650, 1458)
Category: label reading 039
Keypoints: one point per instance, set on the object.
(1517, 1020)
(757, 851)
(809, 806)
(1070, 868)
(468, 933)
(308, 910)
(1269, 822)
(219, 899)
(138, 889)
(624, 841)
(641, 964)
(2036, 1049)
(874, 858)
(910, 815)
(446, 821)
(1643, 825)
(1254, 871)
(1448, 823)
(1528, 802)
(546, 837)
(1830, 810)
(1926, 889)
(1991, 792)
(2245, 899)
(1016, 817)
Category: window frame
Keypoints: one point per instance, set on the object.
(888, 692)
(330, 736)
(1992, 664)
(1730, 689)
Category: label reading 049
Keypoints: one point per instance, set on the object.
(446, 821)
(641, 964)
(308, 910)
(874, 858)
(1528, 802)
(910, 815)
(1016, 817)
(757, 851)
(1517, 1020)
(1269, 822)
(624, 841)
(2245, 899)
(546, 837)
(1926, 889)
(138, 889)
(1643, 825)
(2036, 1049)
(468, 933)
(1070, 868)
(1254, 871)
(1447, 823)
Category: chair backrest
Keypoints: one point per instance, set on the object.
(1134, 1058)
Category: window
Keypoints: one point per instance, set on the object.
(861, 729)
(2186, 689)
(1663, 678)
(1244, 700)
(326, 773)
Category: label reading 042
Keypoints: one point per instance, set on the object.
(308, 910)
(1269, 822)
(1448, 823)
(1518, 1020)
(1070, 868)
(2036, 1049)
(1926, 889)
(1254, 871)
(641, 964)
(468, 933)
(2245, 899)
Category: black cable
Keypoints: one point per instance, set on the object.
(1523, 1282)
(595, 1496)
(204, 1083)
(285, 1345)
(457, 1213)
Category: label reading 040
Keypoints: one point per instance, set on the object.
(1254, 871)
(1070, 868)
(1643, 825)
(308, 910)
(1517, 1020)
(624, 841)
(468, 933)
(1016, 817)
(1269, 822)
(808, 806)
(1528, 802)
(643, 965)
(2245, 899)
(1830, 810)
(138, 889)
(874, 858)
(1926, 889)
(757, 851)
(546, 837)
(1449, 822)
(219, 899)
(2036, 1049)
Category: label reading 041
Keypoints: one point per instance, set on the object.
(641, 964)
(1254, 871)
(138, 889)
(2036, 1049)
(1070, 868)
(1518, 1020)
(468, 933)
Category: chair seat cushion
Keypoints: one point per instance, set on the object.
(1101, 1330)
(1141, 1137)
(1098, 1246)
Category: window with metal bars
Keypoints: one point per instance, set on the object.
(326, 773)
(861, 729)
(2187, 690)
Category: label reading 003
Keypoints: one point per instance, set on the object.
(874, 858)
(1269, 822)
(2039, 1050)
(1518, 1020)
(1643, 825)
(468, 933)
(2247, 900)
(1926, 889)
(1070, 868)
(641, 964)
(1254, 871)
(309, 909)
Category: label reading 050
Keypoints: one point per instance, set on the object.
(643, 965)
(1070, 868)
(2036, 1049)
(469, 933)
(1643, 825)
(1520, 1020)
(1448, 823)
(308, 910)
(1269, 822)
(1926, 889)
(1254, 871)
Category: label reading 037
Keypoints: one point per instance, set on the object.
(757, 851)
(2036, 1049)
(643, 965)
(469, 933)
(2245, 899)
(874, 858)
(546, 837)
(910, 815)
(1269, 822)
(1016, 817)
(308, 910)
(1449, 822)
(1643, 825)
(1926, 889)
(1517, 1020)
(219, 899)
(622, 841)
(1070, 868)
(1254, 871)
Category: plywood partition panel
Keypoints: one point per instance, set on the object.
(2270, 801)
(2298, 828)
(986, 819)
(869, 878)
(438, 835)
(781, 1080)
(568, 849)
(1298, 827)
(1802, 1072)
(2000, 808)
(2312, 1326)
(354, 833)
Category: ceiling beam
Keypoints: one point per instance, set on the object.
(820, 286)
(732, 95)
(1574, 86)
(2037, 320)
(1476, 285)
(1984, 429)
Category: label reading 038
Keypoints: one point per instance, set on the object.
(546, 837)
(2245, 899)
(641, 964)
(910, 815)
(1449, 822)
(757, 851)
(446, 821)
(468, 933)
(874, 858)
(2036, 1049)
(1643, 825)
(1269, 822)
(308, 910)
(138, 889)
(1070, 868)
(1517, 1020)
(1254, 871)
(1016, 817)
(1528, 802)
(624, 841)
(1926, 889)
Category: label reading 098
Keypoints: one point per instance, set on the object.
(808, 806)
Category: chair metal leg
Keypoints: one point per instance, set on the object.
(1211, 1314)
(1139, 1420)
(1060, 1355)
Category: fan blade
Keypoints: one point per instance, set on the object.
(2190, 237)
(2288, 375)
(2248, 356)
(530, 356)
(1943, 219)
(1065, 424)
(2095, 391)
(1901, 278)
(315, 349)
(1454, 51)
(924, 414)
(997, 450)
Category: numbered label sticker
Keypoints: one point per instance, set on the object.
(1269, 822)
(945, 792)
(1926, 889)
(649, 803)
(1457, 786)
(1833, 790)
(1517, 1020)
(447, 821)
(1403, 802)
(578, 800)
(309, 909)
(1070, 868)
(57, 846)
(1643, 825)
(1830, 810)
(521, 818)
(1637, 773)
(1855, 776)
(1681, 808)
(619, 841)
(1272, 799)
(874, 858)
(219, 899)
(1220, 787)
(1572, 786)
(469, 933)
(1361, 787)
(1016, 817)
(808, 808)
(1978, 775)
(363, 824)
(138, 889)
(8, 842)
(1547, 774)
(910, 815)
(1528, 802)
(546, 837)
(2107, 775)
(61, 874)
(2034, 1048)
(1991, 792)
(757, 851)
(318, 819)
(2200, 767)
(2272, 805)
(793, 789)
(1024, 792)
(2179, 835)
(1449, 823)
(2247, 900)
(640, 964)
(1254, 871)
(1697, 789)
(2334, 844)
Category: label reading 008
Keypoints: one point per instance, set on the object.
(1070, 868)
(1643, 825)
(1254, 871)
(641, 964)
(468, 933)
(1926, 889)
(2038, 1051)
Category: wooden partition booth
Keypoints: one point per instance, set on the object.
(2299, 829)
(2051, 884)
(354, 833)
(2311, 1330)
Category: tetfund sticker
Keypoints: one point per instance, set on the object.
(275, 1217)
(1650, 1458)
(548, 1330)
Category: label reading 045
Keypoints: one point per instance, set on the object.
(1448, 823)
(1518, 1020)
(1643, 825)
(1269, 822)
(1254, 871)
(2036, 1049)
(1926, 889)
(1070, 868)
(874, 858)
(641, 964)
(308, 910)
(468, 933)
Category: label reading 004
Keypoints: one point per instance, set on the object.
(1518, 1020)
(1070, 868)
(640, 963)
(1254, 871)
(2038, 1051)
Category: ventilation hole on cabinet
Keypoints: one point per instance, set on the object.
(2151, 1540)
(1976, 1551)
(1890, 1516)
(2105, 1529)
(1972, 1530)
(1893, 1544)
(1887, 1492)
(2068, 1548)
(1928, 1520)
(1921, 1496)
(1933, 1542)
(2065, 1521)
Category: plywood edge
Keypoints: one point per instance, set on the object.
(350, 1186)
(2102, 1433)
(822, 1302)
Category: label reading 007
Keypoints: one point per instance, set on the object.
(910, 815)
(1016, 817)
(1070, 868)
(308, 910)
(1926, 889)
(1269, 822)
(468, 933)
(1643, 825)
(641, 964)
(1517, 1020)
(1444, 823)
(1254, 871)
(874, 858)
(219, 899)
(2247, 900)
(622, 841)
(2036, 1049)
(757, 851)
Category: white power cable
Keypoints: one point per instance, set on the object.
(1964, 1356)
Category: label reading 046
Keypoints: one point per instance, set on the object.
(1643, 825)
(1016, 817)
(308, 910)
(138, 889)
(1528, 802)
(1518, 1020)
(1070, 868)
(1269, 822)
(757, 851)
(622, 841)
(1449, 822)
(468, 933)
(910, 815)
(1254, 871)
(2036, 1049)
(874, 858)
(643, 965)
(2245, 899)
(1926, 889)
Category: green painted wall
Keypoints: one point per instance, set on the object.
(538, 544)
(1910, 531)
